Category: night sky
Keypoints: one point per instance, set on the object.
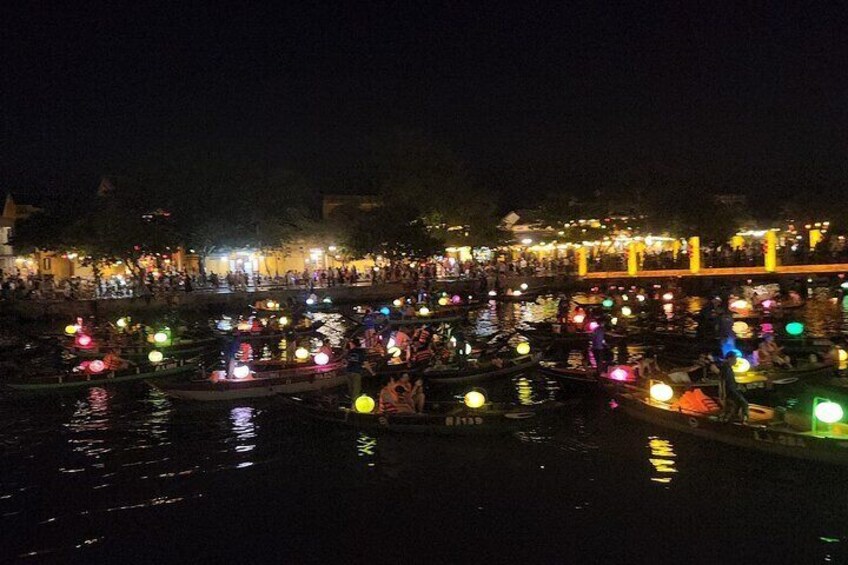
(532, 96)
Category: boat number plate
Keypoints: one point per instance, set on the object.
(463, 421)
(780, 439)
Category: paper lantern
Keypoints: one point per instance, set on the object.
(241, 372)
(443, 301)
(96, 366)
(391, 343)
(301, 354)
(83, 340)
(829, 412)
(740, 327)
(523, 348)
(269, 305)
(475, 399)
(668, 296)
(155, 356)
(493, 293)
(843, 355)
(394, 352)
(310, 301)
(740, 304)
(607, 303)
(593, 325)
(456, 299)
(661, 392)
(741, 366)
(619, 374)
(71, 329)
(795, 328)
(121, 323)
(579, 318)
(327, 300)
(364, 404)
(640, 297)
(385, 311)
(523, 286)
(424, 311)
(284, 321)
(160, 337)
(321, 358)
(626, 311)
(397, 302)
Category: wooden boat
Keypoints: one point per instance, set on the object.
(481, 371)
(582, 377)
(66, 381)
(295, 379)
(418, 320)
(446, 418)
(179, 348)
(529, 296)
(764, 432)
(270, 334)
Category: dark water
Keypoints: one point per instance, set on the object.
(124, 474)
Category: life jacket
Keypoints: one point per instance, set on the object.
(388, 406)
(696, 401)
(112, 362)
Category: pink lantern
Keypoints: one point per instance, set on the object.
(619, 374)
(83, 340)
(593, 325)
(96, 366)
(456, 299)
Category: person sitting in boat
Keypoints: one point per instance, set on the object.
(413, 394)
(769, 354)
(326, 349)
(734, 403)
(393, 399)
(562, 308)
(113, 361)
(648, 364)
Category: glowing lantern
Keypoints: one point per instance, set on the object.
(661, 392)
(741, 366)
(493, 293)
(844, 285)
(310, 301)
(160, 337)
(385, 311)
(522, 348)
(579, 318)
(607, 303)
(619, 374)
(523, 286)
(96, 366)
(121, 323)
(740, 327)
(241, 372)
(843, 355)
(456, 299)
(71, 329)
(424, 311)
(795, 328)
(394, 352)
(668, 297)
(155, 356)
(83, 340)
(828, 412)
(364, 404)
(593, 325)
(475, 399)
(224, 325)
(321, 358)
(516, 293)
(391, 343)
(626, 311)
(242, 327)
(301, 354)
(284, 321)
(443, 301)
(668, 308)
(327, 300)
(740, 305)
(767, 303)
(269, 305)
(640, 297)
(397, 302)
(468, 349)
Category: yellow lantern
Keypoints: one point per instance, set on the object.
(475, 399)
(424, 311)
(155, 356)
(71, 329)
(741, 366)
(364, 404)
(443, 301)
(740, 327)
(661, 392)
(121, 323)
(523, 348)
(284, 321)
(160, 337)
(394, 352)
(843, 355)
(397, 302)
(626, 311)
(301, 354)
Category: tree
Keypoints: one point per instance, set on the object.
(395, 232)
